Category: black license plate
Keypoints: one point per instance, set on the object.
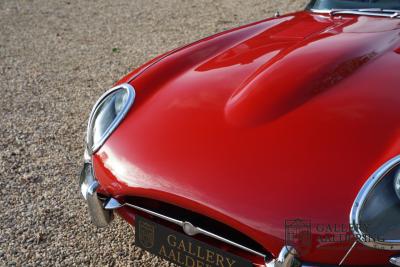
(182, 249)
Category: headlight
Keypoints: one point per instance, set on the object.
(107, 113)
(375, 216)
(397, 182)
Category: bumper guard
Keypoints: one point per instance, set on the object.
(88, 185)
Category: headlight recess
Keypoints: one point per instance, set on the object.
(107, 114)
(375, 215)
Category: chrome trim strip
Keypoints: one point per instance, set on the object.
(359, 202)
(227, 241)
(131, 97)
(193, 230)
(86, 156)
(320, 11)
(158, 215)
(359, 12)
(347, 253)
(395, 260)
(365, 13)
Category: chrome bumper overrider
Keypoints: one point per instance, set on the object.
(88, 185)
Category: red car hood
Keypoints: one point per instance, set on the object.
(282, 119)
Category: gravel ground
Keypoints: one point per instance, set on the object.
(56, 58)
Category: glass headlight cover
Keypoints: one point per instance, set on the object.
(375, 216)
(107, 114)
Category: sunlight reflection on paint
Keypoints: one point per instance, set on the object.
(133, 176)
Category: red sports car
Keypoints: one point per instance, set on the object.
(273, 144)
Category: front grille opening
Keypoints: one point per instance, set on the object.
(198, 220)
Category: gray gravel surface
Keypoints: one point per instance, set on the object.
(56, 58)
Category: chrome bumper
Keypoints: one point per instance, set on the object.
(88, 185)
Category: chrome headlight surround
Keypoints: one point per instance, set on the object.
(130, 93)
(387, 170)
